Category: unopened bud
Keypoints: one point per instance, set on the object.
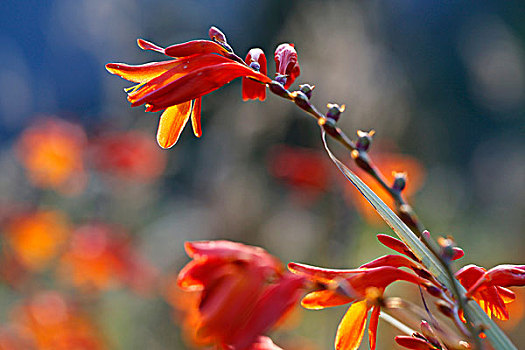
(445, 308)
(433, 290)
(400, 181)
(429, 334)
(255, 66)
(364, 139)
(334, 111)
(307, 89)
(447, 247)
(217, 35)
(278, 89)
(281, 79)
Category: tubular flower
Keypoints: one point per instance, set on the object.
(286, 64)
(489, 288)
(361, 288)
(252, 90)
(177, 86)
(243, 290)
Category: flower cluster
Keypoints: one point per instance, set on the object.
(198, 67)
(232, 294)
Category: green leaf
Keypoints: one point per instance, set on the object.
(494, 334)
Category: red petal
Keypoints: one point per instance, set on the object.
(321, 274)
(372, 327)
(391, 260)
(146, 45)
(506, 295)
(180, 68)
(194, 47)
(196, 117)
(275, 302)
(397, 245)
(324, 298)
(141, 73)
(352, 327)
(194, 84)
(458, 253)
(171, 123)
(413, 343)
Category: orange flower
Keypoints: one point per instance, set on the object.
(54, 323)
(286, 64)
(252, 90)
(358, 287)
(51, 150)
(36, 238)
(388, 164)
(100, 257)
(489, 288)
(128, 155)
(243, 292)
(176, 86)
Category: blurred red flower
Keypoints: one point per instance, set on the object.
(388, 164)
(52, 152)
(359, 287)
(54, 323)
(36, 238)
(176, 86)
(128, 155)
(286, 64)
(100, 257)
(489, 288)
(242, 292)
(305, 170)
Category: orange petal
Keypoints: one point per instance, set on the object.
(320, 274)
(194, 47)
(146, 45)
(352, 327)
(397, 245)
(194, 84)
(324, 298)
(171, 123)
(141, 73)
(506, 295)
(372, 327)
(196, 117)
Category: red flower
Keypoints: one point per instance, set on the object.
(243, 292)
(128, 156)
(305, 170)
(359, 287)
(252, 90)
(101, 256)
(488, 288)
(176, 86)
(286, 64)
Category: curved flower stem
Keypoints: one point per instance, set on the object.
(407, 215)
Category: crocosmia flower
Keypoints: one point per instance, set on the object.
(52, 151)
(36, 238)
(53, 322)
(243, 292)
(176, 86)
(358, 287)
(489, 288)
(286, 64)
(100, 257)
(128, 156)
(252, 90)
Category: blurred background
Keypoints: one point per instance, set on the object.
(94, 214)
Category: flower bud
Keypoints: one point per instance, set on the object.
(445, 308)
(334, 111)
(307, 89)
(286, 64)
(364, 139)
(400, 181)
(252, 90)
(217, 35)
